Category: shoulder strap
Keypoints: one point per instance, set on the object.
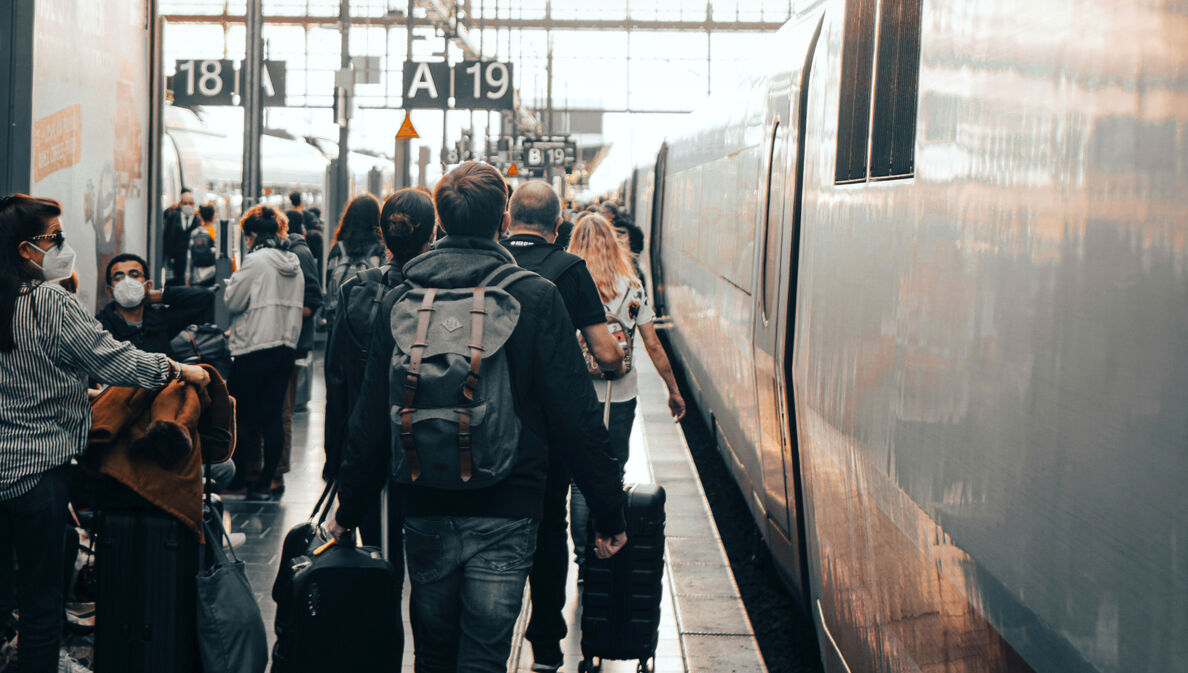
(504, 275)
(556, 263)
(424, 312)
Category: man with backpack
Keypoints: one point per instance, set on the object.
(477, 368)
(535, 214)
(203, 255)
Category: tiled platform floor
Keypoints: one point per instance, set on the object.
(703, 625)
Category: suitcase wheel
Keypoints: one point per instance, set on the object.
(590, 665)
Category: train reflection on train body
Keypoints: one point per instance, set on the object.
(952, 238)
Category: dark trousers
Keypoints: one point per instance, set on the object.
(260, 381)
(32, 527)
(622, 417)
(550, 566)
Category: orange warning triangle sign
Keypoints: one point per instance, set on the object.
(513, 171)
(407, 132)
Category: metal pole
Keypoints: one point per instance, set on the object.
(445, 114)
(406, 160)
(342, 175)
(253, 108)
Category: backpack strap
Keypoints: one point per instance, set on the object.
(556, 263)
(410, 384)
(478, 312)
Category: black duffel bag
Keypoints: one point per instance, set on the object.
(203, 344)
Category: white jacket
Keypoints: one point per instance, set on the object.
(265, 297)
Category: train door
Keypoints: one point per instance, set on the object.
(775, 312)
(654, 250)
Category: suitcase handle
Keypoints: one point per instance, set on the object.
(319, 512)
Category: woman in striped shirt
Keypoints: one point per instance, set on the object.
(48, 346)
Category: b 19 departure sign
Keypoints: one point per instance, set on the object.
(468, 85)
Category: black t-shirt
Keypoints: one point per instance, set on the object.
(575, 283)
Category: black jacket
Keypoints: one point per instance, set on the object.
(313, 290)
(176, 238)
(350, 336)
(554, 398)
(182, 306)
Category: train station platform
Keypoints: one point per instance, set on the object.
(703, 627)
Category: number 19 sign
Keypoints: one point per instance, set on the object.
(472, 85)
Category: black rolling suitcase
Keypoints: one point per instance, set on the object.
(621, 595)
(146, 608)
(337, 606)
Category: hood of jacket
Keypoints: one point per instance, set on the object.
(284, 261)
(457, 261)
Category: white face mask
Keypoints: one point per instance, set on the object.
(56, 263)
(187, 210)
(128, 293)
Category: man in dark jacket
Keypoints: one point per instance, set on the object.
(469, 552)
(535, 213)
(148, 318)
(312, 302)
(181, 220)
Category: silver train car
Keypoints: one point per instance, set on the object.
(926, 274)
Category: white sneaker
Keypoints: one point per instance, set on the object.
(235, 540)
(67, 664)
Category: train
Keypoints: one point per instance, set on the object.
(925, 271)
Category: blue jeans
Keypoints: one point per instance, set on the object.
(467, 576)
(32, 526)
(622, 417)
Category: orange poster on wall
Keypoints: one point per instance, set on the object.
(57, 141)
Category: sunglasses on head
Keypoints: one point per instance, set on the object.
(58, 237)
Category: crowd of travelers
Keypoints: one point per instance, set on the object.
(480, 397)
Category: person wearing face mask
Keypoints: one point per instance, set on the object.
(180, 221)
(145, 317)
(49, 345)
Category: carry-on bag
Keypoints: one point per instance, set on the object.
(146, 562)
(231, 635)
(334, 592)
(621, 595)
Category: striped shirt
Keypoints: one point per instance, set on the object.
(44, 412)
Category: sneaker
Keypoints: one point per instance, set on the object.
(234, 493)
(257, 496)
(278, 487)
(80, 616)
(235, 540)
(68, 664)
(547, 657)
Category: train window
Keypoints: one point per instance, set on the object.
(893, 143)
(853, 116)
(893, 84)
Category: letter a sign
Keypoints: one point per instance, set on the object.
(426, 85)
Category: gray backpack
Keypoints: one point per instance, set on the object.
(453, 411)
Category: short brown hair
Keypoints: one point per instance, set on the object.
(471, 199)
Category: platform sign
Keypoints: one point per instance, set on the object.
(217, 81)
(550, 152)
(204, 82)
(468, 85)
(426, 85)
(483, 85)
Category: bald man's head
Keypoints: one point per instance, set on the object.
(535, 206)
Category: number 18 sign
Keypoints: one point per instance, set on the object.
(472, 85)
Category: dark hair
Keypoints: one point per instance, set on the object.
(470, 200)
(317, 212)
(206, 212)
(295, 198)
(21, 218)
(185, 190)
(536, 206)
(406, 223)
(612, 208)
(262, 221)
(358, 229)
(296, 221)
(127, 257)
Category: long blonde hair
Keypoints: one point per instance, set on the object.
(606, 255)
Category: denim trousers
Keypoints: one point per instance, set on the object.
(33, 526)
(622, 417)
(467, 576)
